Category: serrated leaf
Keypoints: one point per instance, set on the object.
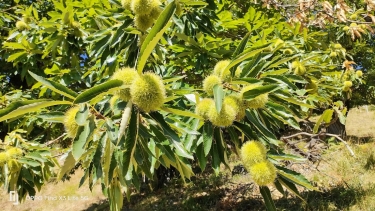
(83, 134)
(290, 186)
(155, 35)
(18, 108)
(254, 120)
(130, 141)
(171, 135)
(82, 114)
(295, 177)
(56, 87)
(246, 55)
(242, 45)
(69, 163)
(97, 90)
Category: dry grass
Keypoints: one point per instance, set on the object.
(67, 189)
(360, 122)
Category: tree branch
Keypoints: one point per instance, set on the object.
(319, 134)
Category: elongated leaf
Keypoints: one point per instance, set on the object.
(130, 141)
(202, 157)
(254, 120)
(218, 96)
(83, 134)
(96, 90)
(280, 79)
(326, 117)
(207, 137)
(245, 129)
(255, 92)
(246, 55)
(266, 193)
(242, 45)
(69, 163)
(279, 187)
(280, 112)
(293, 101)
(155, 35)
(283, 61)
(290, 186)
(295, 177)
(82, 114)
(56, 87)
(18, 108)
(171, 135)
(54, 116)
(221, 148)
(181, 112)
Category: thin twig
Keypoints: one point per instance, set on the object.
(53, 141)
(319, 134)
(342, 140)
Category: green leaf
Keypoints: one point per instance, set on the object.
(326, 117)
(83, 134)
(18, 108)
(255, 92)
(283, 61)
(244, 56)
(130, 141)
(242, 45)
(115, 196)
(106, 157)
(181, 112)
(202, 157)
(245, 129)
(155, 35)
(54, 116)
(218, 97)
(15, 56)
(82, 114)
(221, 149)
(290, 186)
(293, 101)
(208, 133)
(171, 135)
(97, 90)
(279, 187)
(280, 79)
(254, 120)
(68, 165)
(295, 177)
(56, 87)
(266, 193)
(280, 112)
(32, 163)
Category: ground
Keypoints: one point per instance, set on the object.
(345, 183)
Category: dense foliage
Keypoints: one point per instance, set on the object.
(121, 89)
